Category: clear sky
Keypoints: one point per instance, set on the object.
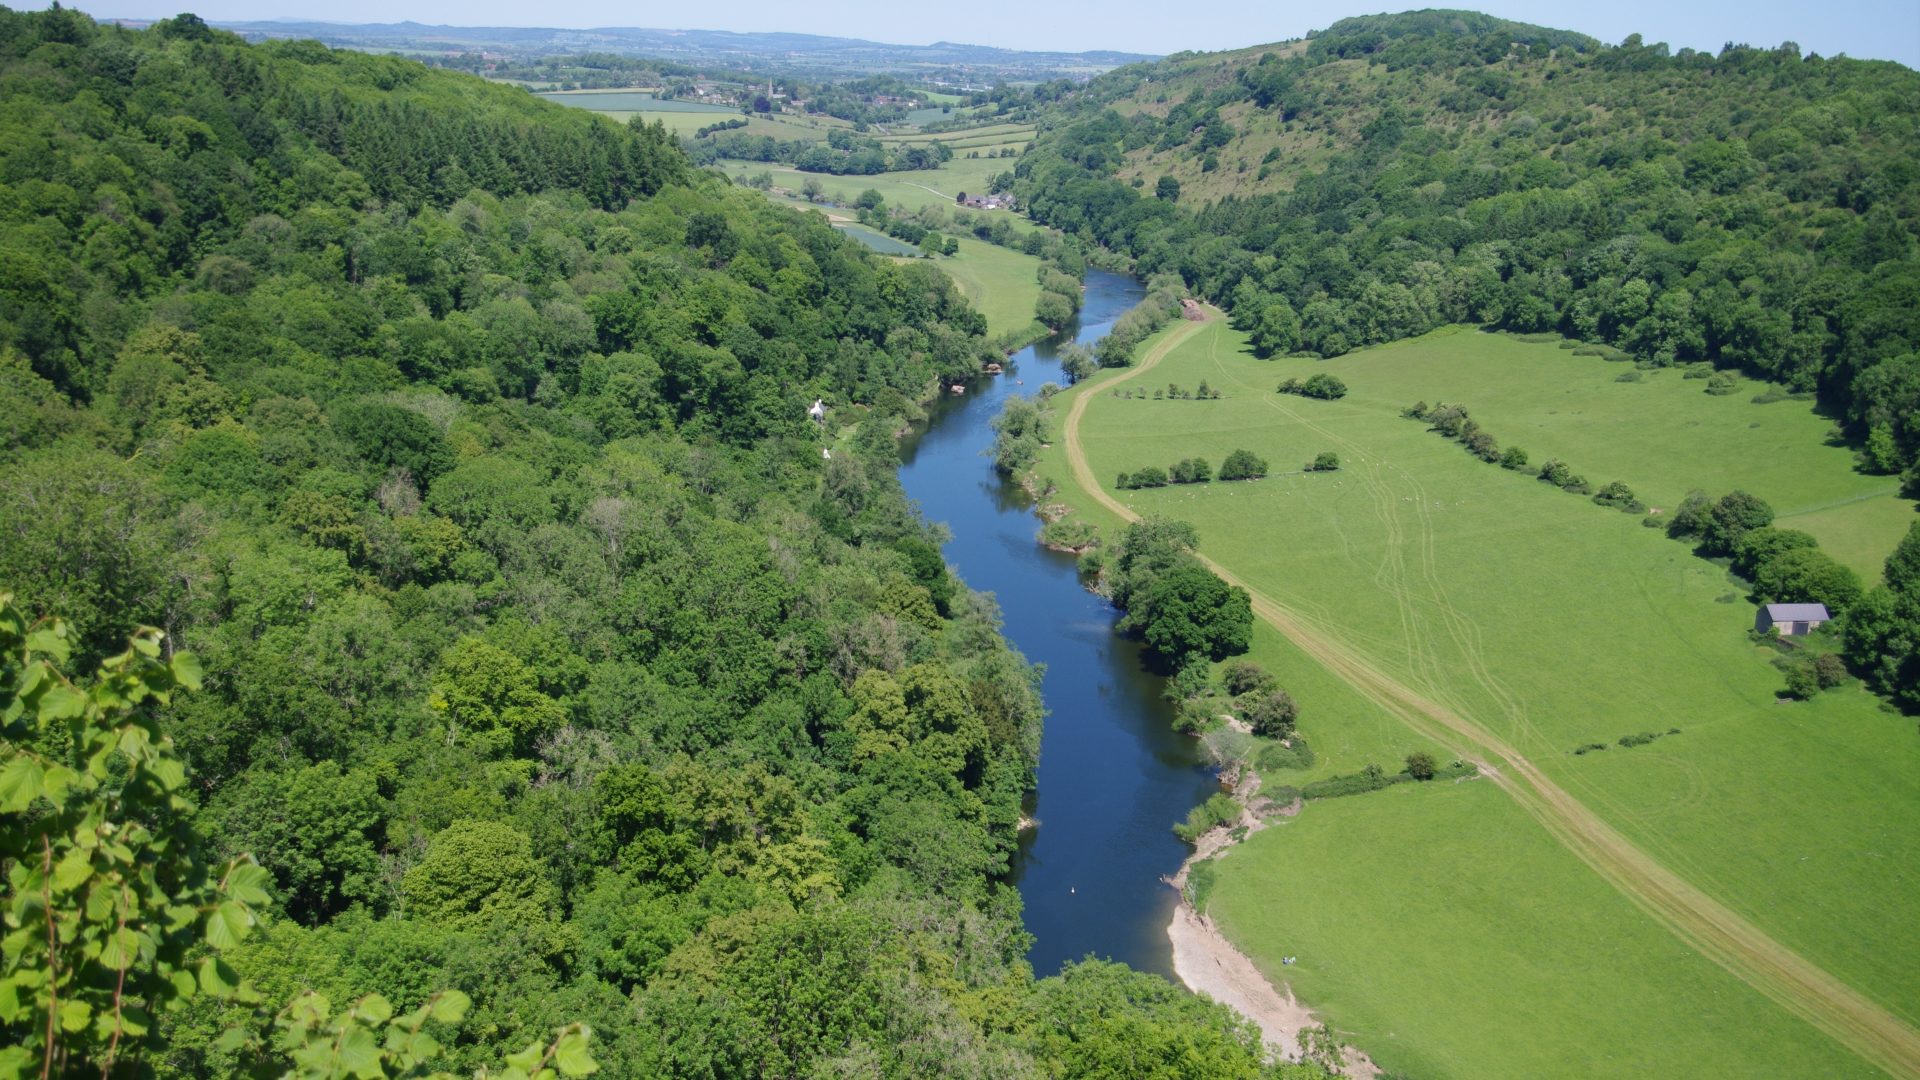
(1878, 29)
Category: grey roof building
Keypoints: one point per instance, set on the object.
(1792, 620)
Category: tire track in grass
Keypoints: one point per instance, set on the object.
(1389, 575)
(1705, 924)
(1468, 638)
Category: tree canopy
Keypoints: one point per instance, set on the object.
(549, 678)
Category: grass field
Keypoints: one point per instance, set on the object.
(1551, 622)
(1001, 283)
(1663, 435)
(1574, 982)
(909, 190)
(631, 101)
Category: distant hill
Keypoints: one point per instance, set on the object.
(739, 50)
(1750, 208)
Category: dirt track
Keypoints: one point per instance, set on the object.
(1710, 927)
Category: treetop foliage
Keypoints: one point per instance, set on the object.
(550, 679)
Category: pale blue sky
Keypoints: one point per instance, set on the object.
(1879, 29)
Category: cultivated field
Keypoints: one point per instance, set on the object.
(1445, 920)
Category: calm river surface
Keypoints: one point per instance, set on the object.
(1114, 778)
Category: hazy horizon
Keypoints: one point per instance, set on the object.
(1868, 29)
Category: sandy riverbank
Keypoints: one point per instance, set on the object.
(1209, 964)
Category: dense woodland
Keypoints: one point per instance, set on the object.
(506, 609)
(844, 153)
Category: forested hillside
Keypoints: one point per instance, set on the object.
(1754, 209)
(542, 656)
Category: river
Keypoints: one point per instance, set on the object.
(1114, 778)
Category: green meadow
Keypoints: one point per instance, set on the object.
(907, 190)
(1553, 623)
(1449, 937)
(1003, 284)
(1663, 434)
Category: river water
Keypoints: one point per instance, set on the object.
(1114, 778)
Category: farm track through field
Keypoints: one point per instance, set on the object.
(1848, 501)
(1703, 923)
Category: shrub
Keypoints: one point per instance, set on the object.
(1325, 387)
(1720, 384)
(1448, 420)
(1619, 496)
(1372, 778)
(1802, 683)
(1588, 748)
(1243, 465)
(1627, 376)
(1192, 471)
(1219, 809)
(1641, 739)
(1152, 476)
(1293, 754)
(1324, 461)
(1200, 884)
(1557, 473)
(1829, 670)
(1513, 458)
(1416, 411)
(1069, 534)
(1187, 684)
(1271, 714)
(1420, 765)
(1245, 677)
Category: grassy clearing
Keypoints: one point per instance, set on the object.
(1554, 623)
(1000, 282)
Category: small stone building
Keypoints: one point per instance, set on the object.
(1792, 620)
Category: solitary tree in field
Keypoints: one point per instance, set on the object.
(812, 189)
(1168, 188)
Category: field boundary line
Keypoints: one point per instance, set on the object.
(1708, 926)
